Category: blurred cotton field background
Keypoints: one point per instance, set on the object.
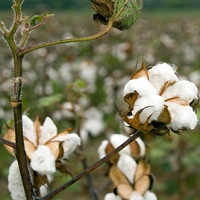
(84, 81)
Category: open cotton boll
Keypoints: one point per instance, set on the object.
(128, 166)
(72, 140)
(101, 150)
(153, 106)
(160, 74)
(47, 131)
(141, 85)
(117, 139)
(149, 196)
(182, 117)
(136, 196)
(43, 161)
(185, 90)
(112, 196)
(29, 129)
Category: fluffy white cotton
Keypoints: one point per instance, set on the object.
(117, 139)
(153, 105)
(47, 131)
(141, 85)
(149, 196)
(141, 146)
(29, 129)
(72, 140)
(43, 161)
(112, 196)
(101, 150)
(182, 117)
(160, 74)
(128, 166)
(15, 185)
(185, 90)
(136, 196)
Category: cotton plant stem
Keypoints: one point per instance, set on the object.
(16, 101)
(84, 161)
(64, 41)
(8, 143)
(93, 167)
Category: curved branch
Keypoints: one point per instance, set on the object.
(93, 167)
(64, 41)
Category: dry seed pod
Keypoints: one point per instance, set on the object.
(124, 12)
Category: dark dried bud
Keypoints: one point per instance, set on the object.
(124, 12)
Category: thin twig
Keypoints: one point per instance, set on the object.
(8, 143)
(93, 167)
(64, 41)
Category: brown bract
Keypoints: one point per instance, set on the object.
(142, 180)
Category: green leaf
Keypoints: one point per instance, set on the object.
(36, 19)
(49, 100)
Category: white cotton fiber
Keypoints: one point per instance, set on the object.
(15, 185)
(47, 131)
(141, 85)
(117, 139)
(182, 117)
(102, 149)
(136, 196)
(185, 90)
(128, 166)
(112, 196)
(43, 161)
(29, 129)
(153, 106)
(149, 196)
(160, 74)
(71, 142)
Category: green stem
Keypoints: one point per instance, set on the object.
(80, 39)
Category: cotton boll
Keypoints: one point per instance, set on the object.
(149, 196)
(136, 196)
(48, 131)
(117, 139)
(43, 161)
(29, 129)
(69, 145)
(128, 166)
(153, 106)
(160, 74)
(185, 90)
(112, 196)
(141, 85)
(101, 150)
(15, 185)
(182, 117)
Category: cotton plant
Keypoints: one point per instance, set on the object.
(158, 101)
(46, 150)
